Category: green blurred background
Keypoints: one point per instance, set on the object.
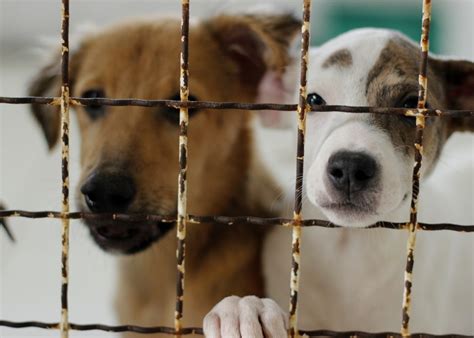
(338, 16)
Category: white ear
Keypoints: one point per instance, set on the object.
(277, 88)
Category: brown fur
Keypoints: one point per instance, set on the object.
(228, 58)
(394, 78)
(342, 58)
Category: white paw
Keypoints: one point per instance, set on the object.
(247, 317)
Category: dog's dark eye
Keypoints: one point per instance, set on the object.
(314, 99)
(410, 102)
(94, 111)
(172, 115)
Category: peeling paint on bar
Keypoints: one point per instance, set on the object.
(199, 331)
(420, 125)
(302, 109)
(78, 101)
(64, 103)
(183, 167)
(227, 220)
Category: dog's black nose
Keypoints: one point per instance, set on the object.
(108, 192)
(351, 172)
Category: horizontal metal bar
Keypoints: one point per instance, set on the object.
(4, 224)
(361, 334)
(54, 101)
(237, 105)
(199, 331)
(101, 327)
(223, 220)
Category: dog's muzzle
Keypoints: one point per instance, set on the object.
(114, 193)
(127, 237)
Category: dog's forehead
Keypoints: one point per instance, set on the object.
(149, 59)
(339, 69)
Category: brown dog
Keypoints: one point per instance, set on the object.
(129, 155)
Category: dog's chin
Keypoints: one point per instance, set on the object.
(349, 214)
(355, 215)
(120, 237)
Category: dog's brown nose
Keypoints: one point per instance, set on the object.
(350, 172)
(108, 192)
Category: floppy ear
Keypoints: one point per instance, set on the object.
(47, 83)
(260, 47)
(458, 81)
(256, 43)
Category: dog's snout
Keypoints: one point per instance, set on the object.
(350, 172)
(108, 192)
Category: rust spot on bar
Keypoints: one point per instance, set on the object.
(302, 109)
(420, 125)
(3, 223)
(199, 331)
(443, 113)
(64, 101)
(226, 220)
(183, 166)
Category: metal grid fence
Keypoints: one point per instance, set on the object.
(182, 218)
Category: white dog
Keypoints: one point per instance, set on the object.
(358, 171)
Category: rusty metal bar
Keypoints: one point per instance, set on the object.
(199, 331)
(102, 327)
(77, 101)
(420, 125)
(64, 103)
(302, 109)
(224, 220)
(183, 167)
(361, 334)
(4, 224)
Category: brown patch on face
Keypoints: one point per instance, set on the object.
(341, 58)
(392, 82)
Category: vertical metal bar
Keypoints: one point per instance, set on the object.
(302, 109)
(420, 125)
(183, 166)
(64, 324)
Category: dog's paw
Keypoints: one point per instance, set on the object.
(247, 317)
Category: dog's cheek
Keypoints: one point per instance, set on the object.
(395, 181)
(434, 139)
(314, 182)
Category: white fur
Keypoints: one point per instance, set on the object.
(352, 279)
(330, 132)
(334, 134)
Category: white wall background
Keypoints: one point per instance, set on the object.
(30, 177)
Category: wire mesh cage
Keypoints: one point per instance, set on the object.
(65, 100)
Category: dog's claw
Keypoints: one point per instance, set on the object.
(3, 223)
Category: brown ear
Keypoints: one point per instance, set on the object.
(256, 43)
(47, 83)
(458, 81)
